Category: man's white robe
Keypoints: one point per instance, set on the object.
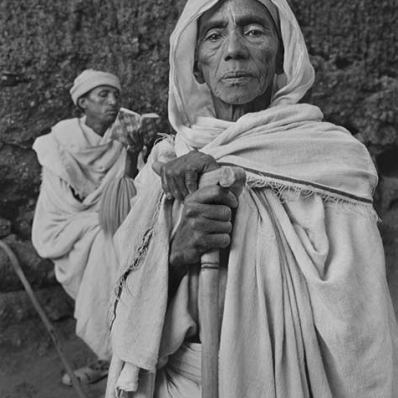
(78, 163)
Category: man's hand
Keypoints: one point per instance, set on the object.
(205, 225)
(180, 176)
(135, 142)
(135, 146)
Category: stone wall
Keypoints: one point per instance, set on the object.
(44, 45)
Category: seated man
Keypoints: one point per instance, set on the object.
(79, 160)
(305, 308)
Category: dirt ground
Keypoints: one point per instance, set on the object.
(30, 366)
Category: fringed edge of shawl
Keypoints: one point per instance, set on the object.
(288, 189)
(138, 257)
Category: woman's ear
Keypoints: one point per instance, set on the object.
(198, 73)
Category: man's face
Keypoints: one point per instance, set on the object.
(101, 104)
(237, 50)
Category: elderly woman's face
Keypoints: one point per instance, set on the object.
(237, 51)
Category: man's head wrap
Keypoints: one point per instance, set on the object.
(90, 79)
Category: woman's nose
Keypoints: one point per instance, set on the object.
(235, 46)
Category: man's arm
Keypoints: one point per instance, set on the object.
(131, 168)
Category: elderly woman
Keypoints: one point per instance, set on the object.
(305, 307)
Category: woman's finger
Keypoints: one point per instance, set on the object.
(160, 169)
(157, 167)
(191, 180)
(180, 179)
(213, 195)
(172, 185)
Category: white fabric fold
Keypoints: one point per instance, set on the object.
(67, 230)
(304, 251)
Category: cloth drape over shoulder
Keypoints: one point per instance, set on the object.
(77, 164)
(306, 284)
(307, 309)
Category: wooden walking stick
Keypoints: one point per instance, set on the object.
(234, 179)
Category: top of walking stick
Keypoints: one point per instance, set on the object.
(231, 177)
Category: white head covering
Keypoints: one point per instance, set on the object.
(273, 10)
(248, 142)
(90, 79)
(189, 99)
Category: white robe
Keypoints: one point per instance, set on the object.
(67, 230)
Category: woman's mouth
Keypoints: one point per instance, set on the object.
(237, 76)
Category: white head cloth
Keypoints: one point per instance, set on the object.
(189, 99)
(90, 79)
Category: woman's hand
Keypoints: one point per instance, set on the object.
(180, 176)
(205, 224)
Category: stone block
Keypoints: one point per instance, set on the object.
(5, 227)
(387, 163)
(17, 307)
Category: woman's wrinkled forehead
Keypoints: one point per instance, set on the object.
(235, 8)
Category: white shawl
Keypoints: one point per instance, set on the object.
(307, 309)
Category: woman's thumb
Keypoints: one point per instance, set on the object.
(157, 167)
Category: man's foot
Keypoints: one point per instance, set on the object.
(89, 374)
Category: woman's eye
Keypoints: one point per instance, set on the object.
(212, 36)
(254, 33)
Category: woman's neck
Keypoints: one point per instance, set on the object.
(232, 112)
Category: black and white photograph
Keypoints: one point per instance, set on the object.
(198, 199)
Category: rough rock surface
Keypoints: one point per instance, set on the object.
(39, 272)
(44, 45)
(16, 306)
